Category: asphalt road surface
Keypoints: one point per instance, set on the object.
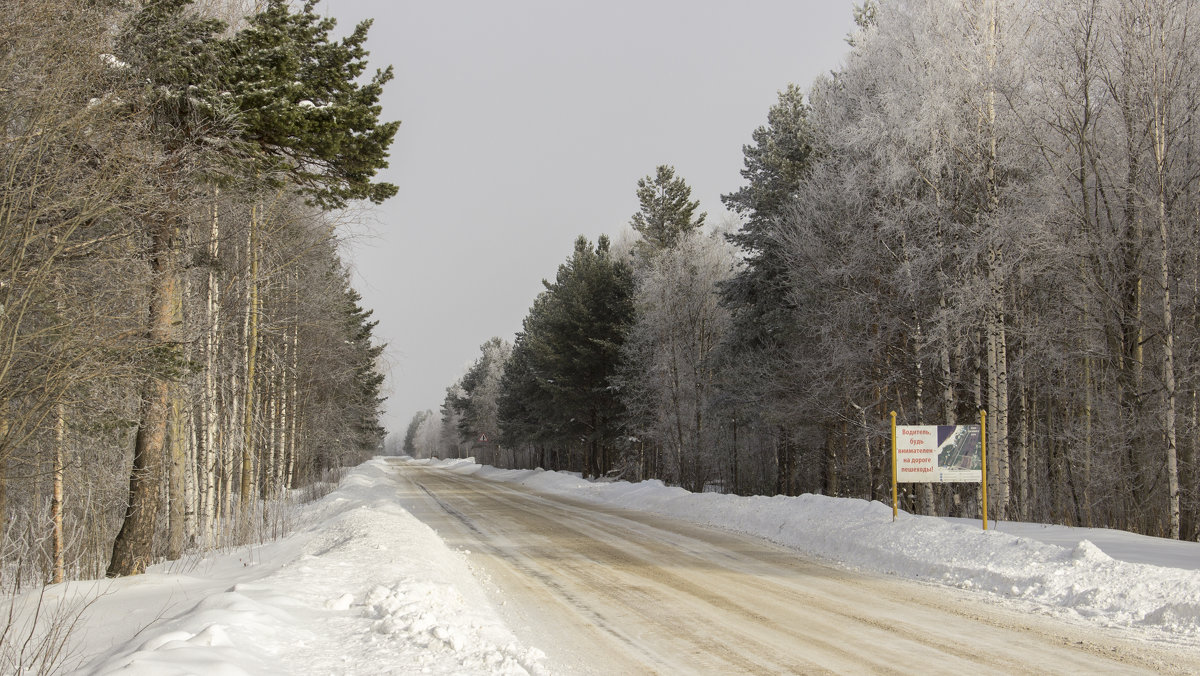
(604, 591)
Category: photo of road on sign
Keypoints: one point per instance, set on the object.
(960, 456)
(939, 454)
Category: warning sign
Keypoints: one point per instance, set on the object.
(939, 454)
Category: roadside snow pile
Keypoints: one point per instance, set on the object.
(366, 588)
(1073, 577)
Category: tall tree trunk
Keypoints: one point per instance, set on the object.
(1083, 130)
(290, 477)
(734, 456)
(191, 476)
(998, 398)
(949, 406)
(133, 548)
(997, 335)
(212, 342)
(1162, 87)
(676, 406)
(1023, 450)
(56, 500)
(280, 416)
(273, 452)
(177, 455)
(1168, 347)
(4, 429)
(251, 359)
(924, 490)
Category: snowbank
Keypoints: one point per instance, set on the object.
(1054, 569)
(365, 588)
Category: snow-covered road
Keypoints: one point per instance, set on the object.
(602, 590)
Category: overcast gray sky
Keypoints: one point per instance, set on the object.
(527, 123)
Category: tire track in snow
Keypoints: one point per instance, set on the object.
(671, 596)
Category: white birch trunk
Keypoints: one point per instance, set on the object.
(56, 501)
(211, 419)
(290, 476)
(250, 332)
(1161, 87)
(997, 338)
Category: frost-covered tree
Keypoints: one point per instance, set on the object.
(477, 400)
(409, 446)
(427, 440)
(994, 222)
(668, 379)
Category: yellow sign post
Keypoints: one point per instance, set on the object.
(983, 484)
(895, 507)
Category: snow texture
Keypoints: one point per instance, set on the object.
(1102, 576)
(364, 587)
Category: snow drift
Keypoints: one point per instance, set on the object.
(364, 588)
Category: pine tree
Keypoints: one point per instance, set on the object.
(667, 210)
(774, 166)
(525, 407)
(176, 54)
(758, 295)
(304, 118)
(567, 355)
(277, 103)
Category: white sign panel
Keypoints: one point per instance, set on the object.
(938, 454)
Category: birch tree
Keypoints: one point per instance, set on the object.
(302, 117)
(669, 371)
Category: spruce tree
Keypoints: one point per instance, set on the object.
(364, 397)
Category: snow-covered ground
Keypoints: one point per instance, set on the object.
(363, 587)
(1107, 577)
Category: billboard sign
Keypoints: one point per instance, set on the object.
(939, 454)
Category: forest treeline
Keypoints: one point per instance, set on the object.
(989, 206)
(179, 340)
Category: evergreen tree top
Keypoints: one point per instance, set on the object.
(775, 163)
(667, 210)
(279, 99)
(300, 102)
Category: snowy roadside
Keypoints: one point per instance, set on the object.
(1060, 571)
(364, 587)
(361, 587)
